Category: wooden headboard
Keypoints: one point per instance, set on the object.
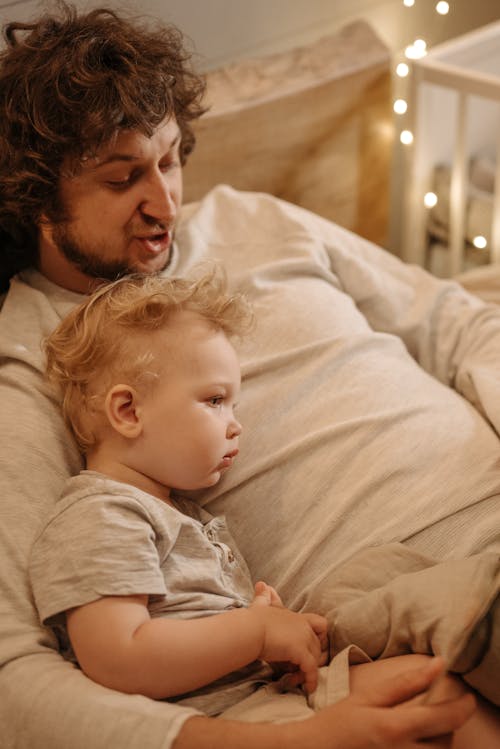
(312, 125)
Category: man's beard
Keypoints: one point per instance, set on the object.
(87, 259)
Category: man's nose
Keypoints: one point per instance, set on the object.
(159, 199)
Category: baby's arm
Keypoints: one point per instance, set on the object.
(118, 644)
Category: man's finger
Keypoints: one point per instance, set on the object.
(405, 685)
(427, 721)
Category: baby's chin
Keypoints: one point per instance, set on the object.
(214, 478)
(207, 483)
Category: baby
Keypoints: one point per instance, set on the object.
(146, 590)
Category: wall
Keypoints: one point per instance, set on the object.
(229, 29)
(226, 30)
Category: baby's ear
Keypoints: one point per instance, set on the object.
(122, 409)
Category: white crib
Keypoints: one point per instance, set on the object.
(454, 107)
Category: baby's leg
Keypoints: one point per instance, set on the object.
(481, 730)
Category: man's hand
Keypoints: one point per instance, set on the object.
(297, 643)
(386, 715)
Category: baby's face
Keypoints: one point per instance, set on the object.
(190, 430)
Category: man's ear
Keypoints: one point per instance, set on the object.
(45, 227)
(123, 410)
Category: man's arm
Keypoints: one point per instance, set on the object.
(118, 645)
(371, 718)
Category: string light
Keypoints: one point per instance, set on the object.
(443, 7)
(411, 52)
(430, 199)
(480, 242)
(416, 50)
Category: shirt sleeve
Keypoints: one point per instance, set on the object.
(95, 547)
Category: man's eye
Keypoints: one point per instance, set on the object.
(118, 184)
(126, 181)
(168, 165)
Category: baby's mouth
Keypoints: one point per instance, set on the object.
(227, 460)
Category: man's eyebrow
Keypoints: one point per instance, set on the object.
(128, 157)
(112, 158)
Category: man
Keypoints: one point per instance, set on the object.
(349, 444)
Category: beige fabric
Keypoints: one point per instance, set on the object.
(484, 282)
(391, 600)
(271, 703)
(347, 444)
(184, 558)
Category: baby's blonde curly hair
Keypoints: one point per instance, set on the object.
(105, 339)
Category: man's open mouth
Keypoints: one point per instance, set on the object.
(156, 243)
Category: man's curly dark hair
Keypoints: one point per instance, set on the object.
(68, 83)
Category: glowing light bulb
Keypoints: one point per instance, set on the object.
(416, 50)
(443, 7)
(406, 137)
(400, 106)
(430, 199)
(409, 3)
(402, 70)
(480, 242)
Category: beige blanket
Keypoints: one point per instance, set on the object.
(390, 600)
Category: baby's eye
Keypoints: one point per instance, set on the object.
(215, 401)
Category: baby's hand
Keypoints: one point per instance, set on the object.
(297, 641)
(266, 595)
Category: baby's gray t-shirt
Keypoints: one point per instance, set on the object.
(107, 538)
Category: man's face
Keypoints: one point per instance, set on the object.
(122, 207)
